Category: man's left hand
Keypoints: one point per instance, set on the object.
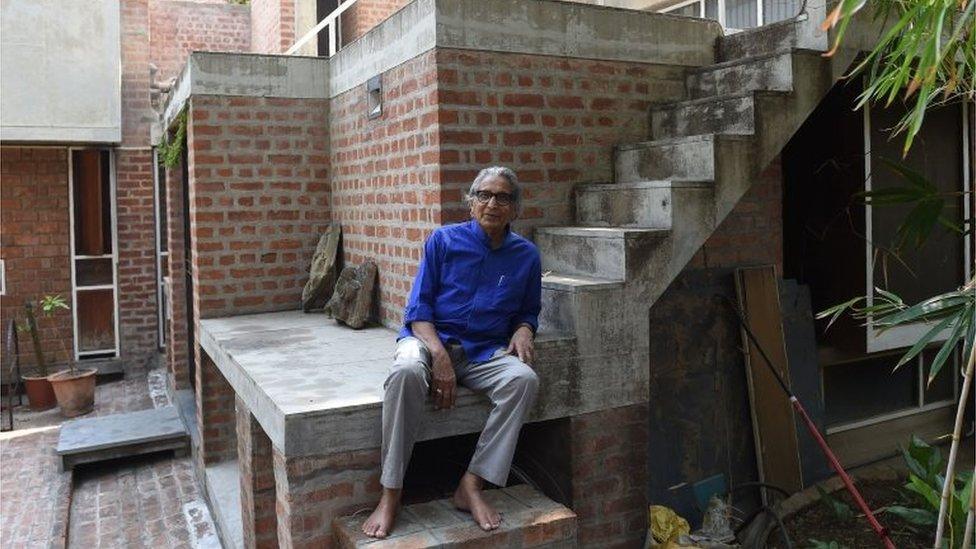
(522, 345)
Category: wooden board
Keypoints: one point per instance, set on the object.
(773, 424)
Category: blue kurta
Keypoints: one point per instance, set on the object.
(472, 294)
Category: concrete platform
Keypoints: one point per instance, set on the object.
(529, 519)
(88, 440)
(317, 387)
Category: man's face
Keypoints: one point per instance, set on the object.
(491, 215)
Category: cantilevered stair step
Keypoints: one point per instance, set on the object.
(760, 40)
(88, 440)
(637, 204)
(727, 114)
(598, 252)
(692, 158)
(529, 519)
(563, 295)
(770, 72)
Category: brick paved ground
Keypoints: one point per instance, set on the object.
(137, 502)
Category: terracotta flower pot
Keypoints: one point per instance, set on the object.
(75, 391)
(40, 394)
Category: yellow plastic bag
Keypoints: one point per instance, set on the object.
(666, 525)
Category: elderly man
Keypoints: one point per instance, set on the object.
(470, 319)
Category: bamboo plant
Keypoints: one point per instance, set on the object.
(925, 55)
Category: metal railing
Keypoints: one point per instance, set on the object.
(331, 21)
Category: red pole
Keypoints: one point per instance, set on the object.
(878, 529)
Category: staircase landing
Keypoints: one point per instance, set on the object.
(89, 440)
(529, 519)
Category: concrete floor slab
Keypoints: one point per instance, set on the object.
(93, 439)
(224, 491)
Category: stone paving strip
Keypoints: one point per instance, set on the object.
(150, 501)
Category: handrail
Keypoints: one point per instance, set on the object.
(329, 21)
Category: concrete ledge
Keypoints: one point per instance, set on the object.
(223, 486)
(246, 74)
(317, 388)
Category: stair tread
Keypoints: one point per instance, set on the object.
(570, 282)
(528, 515)
(649, 184)
(703, 100)
(95, 434)
(741, 61)
(599, 232)
(681, 139)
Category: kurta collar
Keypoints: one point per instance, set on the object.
(482, 236)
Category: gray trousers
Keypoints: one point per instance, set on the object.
(508, 382)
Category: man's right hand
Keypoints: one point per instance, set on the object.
(443, 385)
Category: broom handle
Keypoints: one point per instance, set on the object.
(834, 463)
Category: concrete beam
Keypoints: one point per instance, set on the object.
(541, 27)
(247, 74)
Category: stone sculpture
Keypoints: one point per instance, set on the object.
(352, 301)
(322, 275)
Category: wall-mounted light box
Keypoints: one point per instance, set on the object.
(374, 97)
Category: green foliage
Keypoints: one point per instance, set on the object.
(951, 311)
(51, 303)
(171, 147)
(840, 510)
(817, 544)
(927, 51)
(925, 482)
(928, 204)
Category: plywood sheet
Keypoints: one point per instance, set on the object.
(773, 424)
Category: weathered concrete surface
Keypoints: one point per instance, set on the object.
(639, 204)
(725, 114)
(772, 71)
(541, 27)
(61, 69)
(223, 485)
(317, 388)
(600, 252)
(247, 74)
(93, 439)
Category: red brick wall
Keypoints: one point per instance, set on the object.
(180, 27)
(177, 346)
(136, 229)
(34, 237)
(272, 25)
(366, 14)
(385, 181)
(216, 414)
(553, 120)
(609, 476)
(137, 114)
(256, 464)
(752, 234)
(259, 200)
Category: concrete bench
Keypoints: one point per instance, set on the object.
(317, 387)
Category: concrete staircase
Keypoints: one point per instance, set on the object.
(633, 236)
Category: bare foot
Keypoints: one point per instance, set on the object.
(468, 497)
(380, 523)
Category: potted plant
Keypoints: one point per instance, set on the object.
(74, 388)
(40, 393)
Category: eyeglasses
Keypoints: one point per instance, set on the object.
(502, 199)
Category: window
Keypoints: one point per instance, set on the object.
(738, 14)
(93, 254)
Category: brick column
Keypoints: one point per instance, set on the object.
(312, 491)
(177, 345)
(609, 476)
(254, 459)
(137, 255)
(215, 413)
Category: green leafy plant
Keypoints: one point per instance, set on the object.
(925, 485)
(840, 510)
(927, 50)
(49, 304)
(170, 149)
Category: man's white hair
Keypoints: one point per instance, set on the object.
(497, 171)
